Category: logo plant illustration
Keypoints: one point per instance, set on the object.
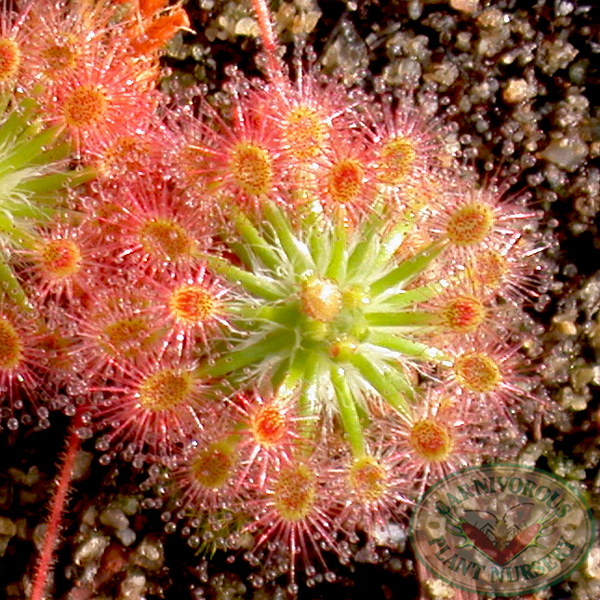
(296, 304)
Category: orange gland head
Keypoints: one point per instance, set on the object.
(10, 59)
(193, 304)
(490, 269)
(11, 346)
(470, 224)
(477, 372)
(127, 336)
(431, 440)
(190, 158)
(59, 58)
(304, 133)
(368, 479)
(345, 181)
(463, 314)
(166, 390)
(252, 168)
(165, 239)
(268, 424)
(57, 347)
(294, 492)
(85, 106)
(321, 299)
(60, 258)
(127, 153)
(397, 159)
(212, 467)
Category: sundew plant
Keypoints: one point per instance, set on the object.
(290, 304)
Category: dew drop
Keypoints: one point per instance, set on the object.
(84, 433)
(170, 528)
(138, 462)
(292, 589)
(104, 460)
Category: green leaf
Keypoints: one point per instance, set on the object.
(406, 271)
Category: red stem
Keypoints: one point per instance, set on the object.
(270, 43)
(59, 502)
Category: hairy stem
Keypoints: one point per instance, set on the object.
(270, 44)
(59, 502)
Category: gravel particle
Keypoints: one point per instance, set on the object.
(91, 549)
(565, 326)
(130, 505)
(82, 465)
(90, 516)
(567, 153)
(466, 6)
(133, 586)
(114, 517)
(406, 71)
(517, 90)
(8, 530)
(392, 535)
(29, 479)
(463, 41)
(247, 26)
(569, 400)
(532, 453)
(7, 527)
(439, 590)
(592, 564)
(228, 587)
(125, 536)
(445, 74)
(149, 554)
(491, 18)
(349, 50)
(555, 55)
(581, 376)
